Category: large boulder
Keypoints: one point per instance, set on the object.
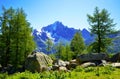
(92, 57)
(115, 58)
(38, 62)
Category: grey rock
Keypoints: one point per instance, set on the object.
(115, 58)
(55, 67)
(59, 63)
(73, 65)
(103, 63)
(117, 65)
(62, 68)
(38, 62)
(73, 61)
(88, 64)
(67, 63)
(92, 57)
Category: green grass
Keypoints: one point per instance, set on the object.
(78, 73)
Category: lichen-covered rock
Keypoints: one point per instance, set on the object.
(38, 62)
(92, 57)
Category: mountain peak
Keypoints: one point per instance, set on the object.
(84, 29)
(57, 22)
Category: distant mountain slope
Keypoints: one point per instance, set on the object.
(60, 33)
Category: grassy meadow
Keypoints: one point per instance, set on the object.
(106, 72)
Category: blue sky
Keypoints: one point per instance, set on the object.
(71, 13)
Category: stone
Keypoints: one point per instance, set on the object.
(59, 63)
(38, 62)
(67, 63)
(72, 65)
(88, 64)
(117, 65)
(103, 63)
(55, 67)
(115, 58)
(91, 57)
(73, 61)
(62, 68)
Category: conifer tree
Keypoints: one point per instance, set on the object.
(101, 26)
(22, 39)
(49, 44)
(77, 44)
(64, 52)
(16, 41)
(6, 21)
(59, 50)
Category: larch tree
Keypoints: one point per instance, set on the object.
(49, 45)
(6, 20)
(77, 44)
(101, 25)
(23, 43)
(59, 49)
(16, 40)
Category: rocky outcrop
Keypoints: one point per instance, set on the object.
(38, 62)
(92, 57)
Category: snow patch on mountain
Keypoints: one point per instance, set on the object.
(49, 36)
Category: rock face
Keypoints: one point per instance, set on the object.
(38, 62)
(92, 57)
(116, 58)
